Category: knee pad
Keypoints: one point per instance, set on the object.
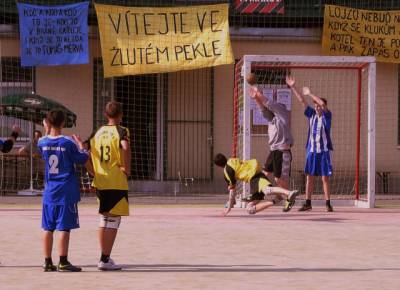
(267, 190)
(110, 222)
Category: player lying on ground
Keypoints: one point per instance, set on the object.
(250, 171)
(7, 145)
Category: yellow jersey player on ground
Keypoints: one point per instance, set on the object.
(111, 160)
(250, 171)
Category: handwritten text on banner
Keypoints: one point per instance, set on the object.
(349, 31)
(142, 40)
(53, 35)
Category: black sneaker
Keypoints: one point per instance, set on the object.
(49, 268)
(68, 267)
(329, 208)
(288, 205)
(305, 207)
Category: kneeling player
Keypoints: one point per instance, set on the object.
(250, 171)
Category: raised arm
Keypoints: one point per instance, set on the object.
(290, 81)
(316, 99)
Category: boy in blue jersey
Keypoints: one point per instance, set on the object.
(61, 193)
(7, 145)
(319, 143)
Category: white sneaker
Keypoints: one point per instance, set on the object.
(292, 195)
(109, 266)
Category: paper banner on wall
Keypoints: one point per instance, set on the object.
(284, 96)
(356, 32)
(143, 40)
(53, 35)
(258, 118)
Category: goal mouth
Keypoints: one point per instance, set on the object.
(349, 85)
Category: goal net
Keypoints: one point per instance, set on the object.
(348, 84)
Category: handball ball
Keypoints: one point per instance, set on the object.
(251, 79)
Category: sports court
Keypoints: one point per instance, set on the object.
(180, 74)
(192, 247)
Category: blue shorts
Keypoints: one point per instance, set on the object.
(318, 164)
(60, 217)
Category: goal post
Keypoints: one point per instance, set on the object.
(349, 85)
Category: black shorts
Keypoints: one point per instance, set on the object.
(279, 163)
(257, 183)
(113, 201)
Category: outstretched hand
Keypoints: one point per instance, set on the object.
(290, 81)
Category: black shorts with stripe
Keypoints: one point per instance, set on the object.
(279, 163)
(113, 201)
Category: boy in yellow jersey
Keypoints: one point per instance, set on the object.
(111, 160)
(250, 171)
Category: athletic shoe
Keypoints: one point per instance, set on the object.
(288, 205)
(329, 208)
(305, 207)
(68, 267)
(109, 266)
(49, 268)
(293, 194)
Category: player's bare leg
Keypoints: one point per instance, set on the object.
(107, 235)
(63, 244)
(47, 249)
(309, 190)
(327, 193)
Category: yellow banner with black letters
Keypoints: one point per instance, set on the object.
(357, 32)
(143, 40)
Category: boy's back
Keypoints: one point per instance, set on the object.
(107, 157)
(60, 154)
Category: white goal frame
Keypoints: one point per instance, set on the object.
(368, 62)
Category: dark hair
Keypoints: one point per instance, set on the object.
(325, 101)
(56, 118)
(220, 160)
(38, 131)
(113, 109)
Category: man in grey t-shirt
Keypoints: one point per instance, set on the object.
(278, 164)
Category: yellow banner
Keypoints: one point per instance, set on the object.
(349, 31)
(143, 40)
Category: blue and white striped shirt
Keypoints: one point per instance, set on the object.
(319, 131)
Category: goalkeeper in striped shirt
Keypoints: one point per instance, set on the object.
(319, 143)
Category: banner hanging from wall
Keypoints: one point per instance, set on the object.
(260, 6)
(356, 32)
(53, 35)
(143, 40)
